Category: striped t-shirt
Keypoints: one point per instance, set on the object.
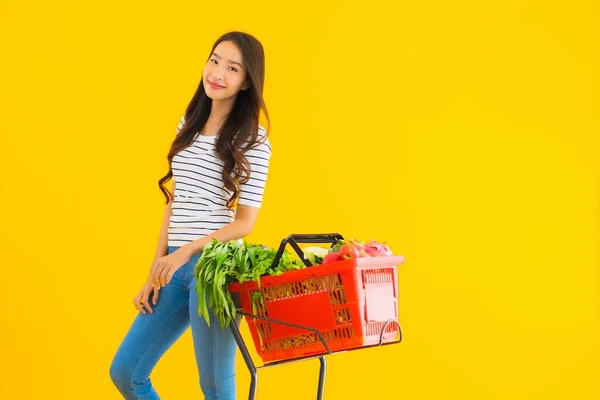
(200, 198)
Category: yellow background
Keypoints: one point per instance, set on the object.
(463, 133)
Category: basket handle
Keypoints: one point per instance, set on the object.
(296, 238)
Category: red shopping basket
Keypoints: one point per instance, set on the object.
(348, 302)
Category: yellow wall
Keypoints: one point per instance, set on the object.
(464, 133)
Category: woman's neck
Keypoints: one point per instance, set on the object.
(219, 110)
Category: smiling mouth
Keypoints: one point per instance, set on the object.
(216, 86)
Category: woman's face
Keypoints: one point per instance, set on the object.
(224, 74)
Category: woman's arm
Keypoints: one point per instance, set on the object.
(249, 201)
(162, 247)
(163, 269)
(242, 226)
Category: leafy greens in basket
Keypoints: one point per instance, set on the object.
(223, 263)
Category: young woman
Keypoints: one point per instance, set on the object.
(218, 161)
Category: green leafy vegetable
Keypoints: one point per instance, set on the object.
(223, 263)
(315, 254)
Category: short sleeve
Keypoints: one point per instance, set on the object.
(181, 122)
(251, 192)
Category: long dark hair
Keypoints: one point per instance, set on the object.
(239, 132)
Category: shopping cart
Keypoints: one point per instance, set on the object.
(325, 309)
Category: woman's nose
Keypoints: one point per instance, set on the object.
(218, 75)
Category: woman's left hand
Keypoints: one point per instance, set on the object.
(165, 267)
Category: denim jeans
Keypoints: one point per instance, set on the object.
(151, 335)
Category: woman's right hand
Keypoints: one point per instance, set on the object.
(141, 301)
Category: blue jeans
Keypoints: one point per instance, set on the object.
(151, 335)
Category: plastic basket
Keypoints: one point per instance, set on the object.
(349, 302)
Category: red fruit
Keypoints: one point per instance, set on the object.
(332, 257)
(372, 251)
(382, 248)
(349, 251)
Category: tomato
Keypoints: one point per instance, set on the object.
(332, 257)
(349, 251)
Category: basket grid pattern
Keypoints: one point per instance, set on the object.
(332, 284)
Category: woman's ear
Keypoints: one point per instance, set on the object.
(246, 85)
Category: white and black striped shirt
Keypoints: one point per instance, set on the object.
(199, 204)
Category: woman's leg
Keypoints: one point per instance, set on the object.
(215, 353)
(149, 337)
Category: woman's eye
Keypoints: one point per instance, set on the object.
(234, 69)
(212, 59)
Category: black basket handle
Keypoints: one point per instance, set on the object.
(296, 238)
